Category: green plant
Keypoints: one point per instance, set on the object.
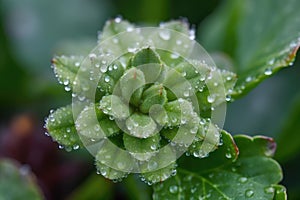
(143, 92)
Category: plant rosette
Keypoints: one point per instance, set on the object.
(143, 97)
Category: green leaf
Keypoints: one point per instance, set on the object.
(131, 85)
(259, 36)
(154, 95)
(114, 106)
(141, 126)
(144, 57)
(141, 148)
(17, 182)
(60, 125)
(114, 27)
(223, 175)
(66, 68)
(94, 124)
(280, 192)
(287, 135)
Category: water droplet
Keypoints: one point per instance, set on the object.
(243, 179)
(118, 19)
(152, 165)
(228, 98)
(211, 98)
(228, 155)
(153, 147)
(249, 193)
(165, 34)
(92, 56)
(121, 165)
(174, 55)
(129, 29)
(131, 49)
(249, 79)
(178, 42)
(268, 71)
(173, 189)
(186, 93)
(67, 88)
(269, 190)
(192, 34)
(75, 147)
(77, 64)
(106, 79)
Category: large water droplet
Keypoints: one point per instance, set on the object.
(152, 165)
(268, 71)
(249, 193)
(211, 98)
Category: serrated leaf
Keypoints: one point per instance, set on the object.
(17, 182)
(223, 175)
(260, 37)
(60, 125)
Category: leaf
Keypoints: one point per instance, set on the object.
(280, 192)
(259, 36)
(17, 182)
(224, 176)
(141, 148)
(89, 189)
(66, 68)
(288, 134)
(60, 125)
(114, 27)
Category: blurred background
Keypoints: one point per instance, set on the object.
(32, 31)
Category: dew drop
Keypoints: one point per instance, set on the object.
(243, 179)
(118, 19)
(210, 98)
(249, 79)
(75, 147)
(152, 165)
(67, 88)
(165, 34)
(228, 98)
(178, 42)
(106, 79)
(268, 71)
(131, 49)
(77, 64)
(249, 193)
(173, 189)
(228, 155)
(269, 190)
(129, 29)
(174, 55)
